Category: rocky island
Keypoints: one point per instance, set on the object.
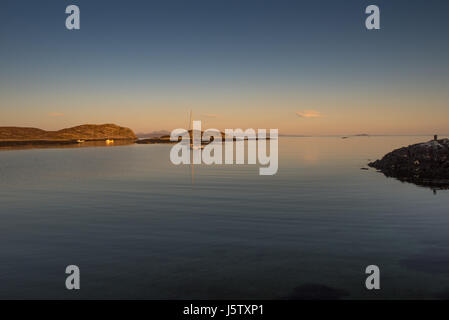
(166, 138)
(22, 136)
(425, 164)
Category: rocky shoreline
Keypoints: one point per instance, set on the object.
(424, 164)
(57, 143)
(24, 143)
(155, 141)
(166, 139)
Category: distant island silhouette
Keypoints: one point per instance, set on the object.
(11, 137)
(24, 136)
(153, 134)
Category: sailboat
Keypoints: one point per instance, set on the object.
(193, 147)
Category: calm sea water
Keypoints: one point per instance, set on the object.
(140, 227)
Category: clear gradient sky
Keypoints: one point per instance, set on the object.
(305, 67)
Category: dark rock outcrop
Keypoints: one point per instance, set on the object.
(425, 164)
(156, 140)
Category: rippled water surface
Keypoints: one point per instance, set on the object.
(140, 227)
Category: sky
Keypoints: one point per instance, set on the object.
(304, 67)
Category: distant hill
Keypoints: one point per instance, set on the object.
(153, 134)
(84, 132)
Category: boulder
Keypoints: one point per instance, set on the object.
(423, 163)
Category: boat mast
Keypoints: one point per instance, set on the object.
(190, 121)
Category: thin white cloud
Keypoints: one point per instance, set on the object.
(308, 114)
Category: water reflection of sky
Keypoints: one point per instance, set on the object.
(128, 214)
